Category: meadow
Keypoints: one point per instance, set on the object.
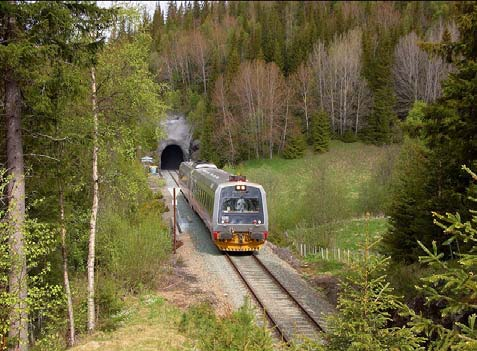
(323, 199)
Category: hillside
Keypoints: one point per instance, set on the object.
(324, 196)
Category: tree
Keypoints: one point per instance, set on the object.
(453, 288)
(409, 207)
(342, 92)
(39, 35)
(125, 112)
(377, 70)
(417, 74)
(94, 207)
(261, 96)
(320, 131)
(365, 304)
(220, 100)
(448, 132)
(303, 84)
(295, 145)
(17, 282)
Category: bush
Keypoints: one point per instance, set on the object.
(133, 250)
(235, 332)
(348, 137)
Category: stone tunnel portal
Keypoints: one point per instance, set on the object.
(171, 157)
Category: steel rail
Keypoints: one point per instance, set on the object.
(255, 296)
(298, 303)
(173, 178)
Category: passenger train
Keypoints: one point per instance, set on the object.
(233, 209)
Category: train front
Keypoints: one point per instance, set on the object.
(241, 222)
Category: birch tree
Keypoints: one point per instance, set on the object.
(302, 83)
(417, 74)
(341, 90)
(94, 207)
(200, 52)
(260, 92)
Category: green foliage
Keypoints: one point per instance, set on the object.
(414, 122)
(374, 197)
(45, 296)
(295, 146)
(377, 66)
(320, 131)
(365, 305)
(133, 250)
(454, 289)
(348, 137)
(207, 152)
(320, 189)
(434, 179)
(233, 333)
(408, 206)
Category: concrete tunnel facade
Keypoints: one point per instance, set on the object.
(177, 145)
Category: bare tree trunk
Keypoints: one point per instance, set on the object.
(17, 280)
(94, 210)
(66, 280)
(282, 146)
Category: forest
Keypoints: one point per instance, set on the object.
(84, 89)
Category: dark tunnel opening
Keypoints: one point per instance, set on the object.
(171, 157)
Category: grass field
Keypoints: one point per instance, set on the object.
(325, 197)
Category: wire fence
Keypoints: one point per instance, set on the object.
(330, 254)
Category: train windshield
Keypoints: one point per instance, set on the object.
(240, 207)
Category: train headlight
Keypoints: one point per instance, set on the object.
(259, 222)
(240, 187)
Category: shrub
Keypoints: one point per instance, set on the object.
(348, 137)
(133, 250)
(235, 332)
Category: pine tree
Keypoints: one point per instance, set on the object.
(320, 131)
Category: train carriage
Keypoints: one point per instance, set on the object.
(233, 209)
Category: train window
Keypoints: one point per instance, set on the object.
(241, 204)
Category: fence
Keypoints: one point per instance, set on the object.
(330, 254)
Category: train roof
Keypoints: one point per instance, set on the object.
(210, 174)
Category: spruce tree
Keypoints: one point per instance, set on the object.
(453, 287)
(377, 64)
(206, 146)
(320, 131)
(449, 132)
(295, 146)
(409, 208)
(365, 304)
(233, 58)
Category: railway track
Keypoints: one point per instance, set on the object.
(173, 175)
(288, 317)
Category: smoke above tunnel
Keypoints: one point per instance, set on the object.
(171, 157)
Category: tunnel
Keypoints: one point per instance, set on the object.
(171, 157)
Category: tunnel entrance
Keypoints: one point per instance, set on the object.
(171, 157)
